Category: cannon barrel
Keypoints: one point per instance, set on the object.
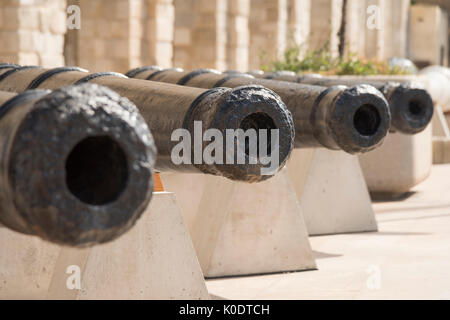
(410, 104)
(167, 107)
(435, 79)
(76, 166)
(351, 119)
(8, 66)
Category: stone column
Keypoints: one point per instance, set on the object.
(200, 34)
(103, 43)
(374, 30)
(268, 31)
(117, 35)
(158, 35)
(32, 32)
(184, 23)
(395, 28)
(238, 34)
(356, 26)
(386, 29)
(299, 14)
(326, 17)
(400, 20)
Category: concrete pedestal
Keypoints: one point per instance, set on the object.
(439, 123)
(441, 137)
(402, 162)
(154, 260)
(332, 192)
(239, 228)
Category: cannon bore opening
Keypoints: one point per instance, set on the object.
(367, 120)
(258, 121)
(97, 170)
(416, 109)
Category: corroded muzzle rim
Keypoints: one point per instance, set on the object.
(411, 107)
(81, 166)
(360, 119)
(244, 108)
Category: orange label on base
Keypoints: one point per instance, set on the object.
(159, 187)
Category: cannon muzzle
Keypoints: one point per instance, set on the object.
(410, 104)
(76, 167)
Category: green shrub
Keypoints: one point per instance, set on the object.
(321, 61)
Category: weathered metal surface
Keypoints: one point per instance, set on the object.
(410, 104)
(351, 119)
(76, 164)
(5, 96)
(7, 66)
(168, 107)
(256, 73)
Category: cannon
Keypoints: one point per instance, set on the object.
(167, 108)
(351, 119)
(410, 104)
(76, 164)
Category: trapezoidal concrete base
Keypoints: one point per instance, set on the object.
(441, 137)
(332, 192)
(154, 260)
(401, 163)
(241, 229)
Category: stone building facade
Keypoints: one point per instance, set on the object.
(117, 35)
(430, 24)
(32, 32)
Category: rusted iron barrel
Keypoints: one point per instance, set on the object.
(76, 165)
(410, 104)
(435, 79)
(351, 119)
(7, 66)
(167, 108)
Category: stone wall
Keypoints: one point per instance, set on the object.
(32, 32)
(444, 4)
(299, 23)
(200, 34)
(268, 26)
(117, 35)
(429, 37)
(238, 35)
(184, 23)
(325, 20)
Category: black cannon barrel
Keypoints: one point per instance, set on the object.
(167, 107)
(8, 66)
(256, 73)
(5, 96)
(76, 166)
(410, 104)
(351, 119)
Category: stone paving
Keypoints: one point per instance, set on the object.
(409, 258)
